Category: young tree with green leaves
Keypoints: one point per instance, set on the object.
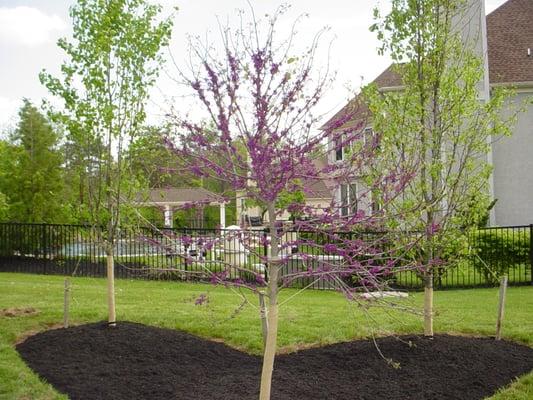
(5, 153)
(3, 175)
(114, 59)
(34, 186)
(442, 119)
(152, 160)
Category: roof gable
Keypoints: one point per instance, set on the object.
(388, 78)
(509, 35)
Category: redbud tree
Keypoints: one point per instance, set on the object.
(259, 136)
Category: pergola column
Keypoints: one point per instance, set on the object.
(222, 215)
(169, 217)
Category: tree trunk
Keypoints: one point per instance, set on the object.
(272, 319)
(270, 352)
(428, 304)
(111, 287)
(428, 277)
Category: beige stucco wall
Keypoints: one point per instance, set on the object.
(513, 168)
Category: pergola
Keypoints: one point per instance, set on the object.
(170, 198)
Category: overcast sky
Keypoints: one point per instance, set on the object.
(29, 30)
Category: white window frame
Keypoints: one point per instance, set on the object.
(348, 200)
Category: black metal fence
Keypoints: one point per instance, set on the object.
(487, 254)
(204, 254)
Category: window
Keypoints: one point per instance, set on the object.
(368, 135)
(344, 200)
(348, 197)
(376, 202)
(338, 150)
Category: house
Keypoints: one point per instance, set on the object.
(317, 192)
(510, 60)
(504, 39)
(171, 199)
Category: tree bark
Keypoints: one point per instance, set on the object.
(111, 287)
(272, 318)
(270, 353)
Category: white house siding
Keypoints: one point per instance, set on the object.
(513, 169)
(473, 27)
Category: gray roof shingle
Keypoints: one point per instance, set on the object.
(509, 35)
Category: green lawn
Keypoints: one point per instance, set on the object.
(314, 318)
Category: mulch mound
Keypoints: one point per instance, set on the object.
(134, 361)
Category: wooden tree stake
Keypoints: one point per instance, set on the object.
(66, 303)
(501, 307)
(112, 322)
(263, 314)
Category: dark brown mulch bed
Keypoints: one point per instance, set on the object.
(134, 361)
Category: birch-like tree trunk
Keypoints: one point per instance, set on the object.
(270, 349)
(272, 318)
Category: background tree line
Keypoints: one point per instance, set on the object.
(43, 179)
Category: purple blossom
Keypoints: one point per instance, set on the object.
(330, 248)
(433, 228)
(201, 300)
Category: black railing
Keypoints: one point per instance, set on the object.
(205, 254)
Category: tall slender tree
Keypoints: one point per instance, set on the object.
(5, 167)
(114, 59)
(441, 119)
(34, 186)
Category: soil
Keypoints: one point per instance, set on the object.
(134, 361)
(18, 312)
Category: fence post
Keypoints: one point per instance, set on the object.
(531, 250)
(43, 248)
